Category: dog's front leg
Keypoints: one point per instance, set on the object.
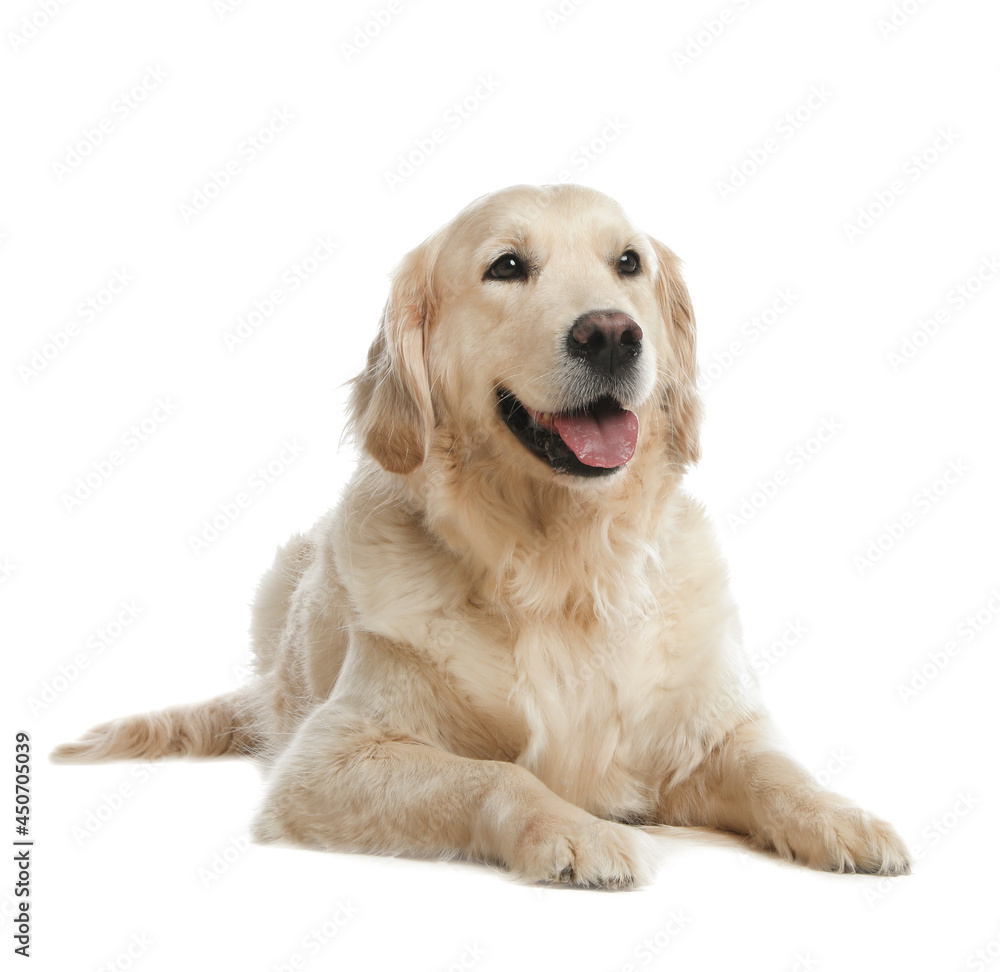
(347, 783)
(748, 786)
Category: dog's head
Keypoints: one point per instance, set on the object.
(542, 325)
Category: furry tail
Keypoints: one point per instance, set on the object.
(213, 728)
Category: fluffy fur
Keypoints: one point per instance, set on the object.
(476, 655)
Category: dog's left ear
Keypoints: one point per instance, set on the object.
(391, 412)
(681, 404)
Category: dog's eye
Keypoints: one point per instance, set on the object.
(508, 267)
(628, 262)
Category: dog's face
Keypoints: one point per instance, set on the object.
(543, 321)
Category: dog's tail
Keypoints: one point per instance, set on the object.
(217, 727)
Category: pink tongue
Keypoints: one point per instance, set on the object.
(605, 440)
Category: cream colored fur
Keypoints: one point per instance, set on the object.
(474, 655)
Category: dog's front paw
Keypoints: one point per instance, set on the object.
(590, 853)
(834, 836)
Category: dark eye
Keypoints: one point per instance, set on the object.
(628, 262)
(508, 267)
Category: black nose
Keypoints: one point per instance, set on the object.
(609, 340)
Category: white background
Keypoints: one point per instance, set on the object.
(603, 99)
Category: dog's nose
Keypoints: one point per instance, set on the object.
(608, 339)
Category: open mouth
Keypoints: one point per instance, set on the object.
(595, 440)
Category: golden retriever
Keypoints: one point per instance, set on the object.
(513, 639)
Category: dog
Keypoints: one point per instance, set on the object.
(513, 639)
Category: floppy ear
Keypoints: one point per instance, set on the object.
(680, 403)
(390, 413)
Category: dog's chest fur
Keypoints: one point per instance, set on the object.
(627, 684)
(602, 716)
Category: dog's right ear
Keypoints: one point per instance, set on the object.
(681, 403)
(391, 414)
